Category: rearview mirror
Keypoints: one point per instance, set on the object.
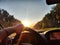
(49, 2)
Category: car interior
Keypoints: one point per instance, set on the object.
(30, 37)
(53, 37)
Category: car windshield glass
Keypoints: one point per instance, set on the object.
(32, 13)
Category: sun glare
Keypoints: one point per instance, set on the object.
(26, 23)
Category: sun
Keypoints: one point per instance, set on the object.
(26, 23)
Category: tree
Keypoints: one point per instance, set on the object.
(7, 20)
(51, 19)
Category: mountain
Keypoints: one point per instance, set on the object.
(7, 20)
(51, 20)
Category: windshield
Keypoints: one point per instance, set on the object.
(29, 12)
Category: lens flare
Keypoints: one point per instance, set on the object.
(26, 23)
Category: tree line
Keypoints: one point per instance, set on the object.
(7, 20)
(50, 20)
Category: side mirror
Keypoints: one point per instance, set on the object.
(49, 2)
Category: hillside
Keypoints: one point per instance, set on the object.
(7, 20)
(51, 20)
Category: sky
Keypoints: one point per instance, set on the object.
(32, 10)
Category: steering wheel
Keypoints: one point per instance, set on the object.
(29, 36)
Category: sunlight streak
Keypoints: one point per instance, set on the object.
(26, 23)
